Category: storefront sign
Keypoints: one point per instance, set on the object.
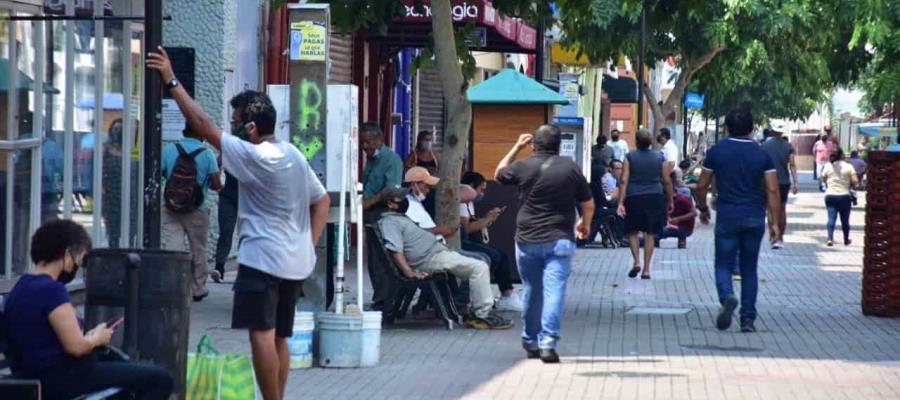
(462, 12)
(308, 41)
(694, 100)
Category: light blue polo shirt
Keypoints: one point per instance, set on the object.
(206, 163)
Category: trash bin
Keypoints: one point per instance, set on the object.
(156, 327)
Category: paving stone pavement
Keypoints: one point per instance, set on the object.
(633, 339)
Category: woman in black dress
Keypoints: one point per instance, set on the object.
(644, 205)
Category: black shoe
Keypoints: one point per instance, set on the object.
(217, 276)
(531, 352)
(201, 297)
(723, 321)
(747, 327)
(549, 356)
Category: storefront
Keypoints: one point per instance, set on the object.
(70, 121)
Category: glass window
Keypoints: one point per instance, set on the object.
(21, 210)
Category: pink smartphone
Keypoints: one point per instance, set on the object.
(116, 324)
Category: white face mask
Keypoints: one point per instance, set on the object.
(419, 195)
(426, 145)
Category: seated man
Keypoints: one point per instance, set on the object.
(420, 183)
(607, 205)
(416, 254)
(681, 221)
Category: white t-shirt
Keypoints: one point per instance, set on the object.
(420, 216)
(464, 210)
(670, 152)
(277, 189)
(620, 149)
(839, 176)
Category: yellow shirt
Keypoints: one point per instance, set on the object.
(839, 176)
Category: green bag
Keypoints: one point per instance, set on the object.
(214, 376)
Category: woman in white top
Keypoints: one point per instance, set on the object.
(839, 178)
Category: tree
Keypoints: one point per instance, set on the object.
(876, 29)
(454, 64)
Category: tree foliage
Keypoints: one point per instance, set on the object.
(877, 31)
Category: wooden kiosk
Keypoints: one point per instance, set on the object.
(503, 107)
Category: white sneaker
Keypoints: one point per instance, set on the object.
(777, 245)
(510, 303)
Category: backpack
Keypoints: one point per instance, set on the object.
(183, 193)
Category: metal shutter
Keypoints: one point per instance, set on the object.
(431, 104)
(341, 54)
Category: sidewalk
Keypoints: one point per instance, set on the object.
(633, 339)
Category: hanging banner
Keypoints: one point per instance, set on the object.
(308, 41)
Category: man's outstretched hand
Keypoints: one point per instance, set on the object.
(161, 63)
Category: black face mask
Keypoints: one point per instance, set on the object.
(615, 137)
(67, 276)
(402, 205)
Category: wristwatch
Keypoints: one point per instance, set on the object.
(172, 84)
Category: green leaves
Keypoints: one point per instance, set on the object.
(603, 12)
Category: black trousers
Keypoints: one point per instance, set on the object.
(145, 381)
(227, 220)
(500, 269)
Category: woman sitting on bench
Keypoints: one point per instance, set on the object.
(45, 337)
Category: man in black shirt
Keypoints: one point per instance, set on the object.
(550, 189)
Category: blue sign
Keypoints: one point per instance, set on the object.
(694, 100)
(569, 121)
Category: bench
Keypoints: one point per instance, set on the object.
(11, 387)
(435, 288)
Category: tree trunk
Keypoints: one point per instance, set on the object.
(459, 113)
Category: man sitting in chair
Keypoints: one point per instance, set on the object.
(416, 253)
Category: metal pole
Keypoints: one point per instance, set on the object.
(717, 129)
(640, 83)
(152, 129)
(687, 133)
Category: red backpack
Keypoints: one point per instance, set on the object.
(183, 193)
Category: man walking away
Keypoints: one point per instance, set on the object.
(190, 169)
(620, 147)
(283, 210)
(745, 180)
(782, 153)
(550, 188)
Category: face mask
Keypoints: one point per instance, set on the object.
(67, 276)
(239, 130)
(402, 206)
(615, 137)
(479, 197)
(425, 145)
(419, 195)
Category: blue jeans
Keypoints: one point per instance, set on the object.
(838, 205)
(544, 269)
(669, 232)
(738, 241)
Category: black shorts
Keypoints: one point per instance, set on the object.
(645, 213)
(784, 190)
(263, 302)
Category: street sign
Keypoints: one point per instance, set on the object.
(694, 100)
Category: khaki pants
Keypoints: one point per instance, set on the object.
(194, 226)
(476, 271)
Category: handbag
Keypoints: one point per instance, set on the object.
(215, 376)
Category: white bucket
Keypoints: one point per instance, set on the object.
(371, 338)
(300, 344)
(340, 340)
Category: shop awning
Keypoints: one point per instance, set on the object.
(512, 87)
(493, 32)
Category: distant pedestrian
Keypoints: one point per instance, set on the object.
(667, 146)
(620, 147)
(424, 156)
(859, 165)
(840, 178)
(782, 154)
(283, 211)
(550, 189)
(190, 169)
(822, 152)
(647, 199)
(746, 180)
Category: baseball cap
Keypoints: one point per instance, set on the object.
(419, 174)
(779, 127)
(390, 193)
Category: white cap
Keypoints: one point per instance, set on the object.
(778, 126)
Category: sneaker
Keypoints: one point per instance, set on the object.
(216, 276)
(510, 303)
(723, 321)
(747, 327)
(531, 352)
(489, 322)
(777, 245)
(549, 356)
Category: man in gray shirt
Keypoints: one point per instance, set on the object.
(782, 153)
(416, 253)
